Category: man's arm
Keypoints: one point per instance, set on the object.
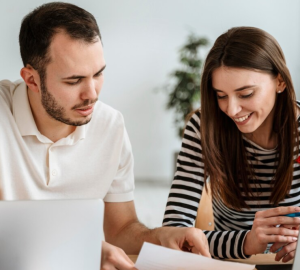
(122, 228)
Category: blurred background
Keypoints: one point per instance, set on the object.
(142, 39)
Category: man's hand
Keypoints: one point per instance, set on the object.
(185, 239)
(123, 229)
(115, 258)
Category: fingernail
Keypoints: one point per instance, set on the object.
(295, 238)
(297, 209)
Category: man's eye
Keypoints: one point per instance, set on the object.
(98, 74)
(74, 82)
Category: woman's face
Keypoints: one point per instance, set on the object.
(247, 97)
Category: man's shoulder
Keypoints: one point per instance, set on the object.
(7, 89)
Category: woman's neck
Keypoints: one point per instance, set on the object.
(266, 141)
(264, 135)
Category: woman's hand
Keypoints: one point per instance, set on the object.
(287, 250)
(264, 229)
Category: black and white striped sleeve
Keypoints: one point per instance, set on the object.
(185, 195)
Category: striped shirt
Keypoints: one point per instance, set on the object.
(231, 226)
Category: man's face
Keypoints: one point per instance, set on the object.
(73, 79)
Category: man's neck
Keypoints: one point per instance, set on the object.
(47, 126)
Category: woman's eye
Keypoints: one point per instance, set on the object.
(247, 96)
(221, 97)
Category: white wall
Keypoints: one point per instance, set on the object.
(141, 40)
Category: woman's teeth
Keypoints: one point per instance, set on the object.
(242, 118)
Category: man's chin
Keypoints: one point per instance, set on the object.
(80, 123)
(75, 123)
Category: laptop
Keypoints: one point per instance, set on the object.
(51, 235)
(296, 264)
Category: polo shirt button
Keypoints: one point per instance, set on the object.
(54, 172)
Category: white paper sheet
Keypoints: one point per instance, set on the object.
(153, 257)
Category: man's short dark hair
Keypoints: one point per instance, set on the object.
(40, 25)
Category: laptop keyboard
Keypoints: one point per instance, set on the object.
(274, 267)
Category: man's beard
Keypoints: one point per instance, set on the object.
(58, 112)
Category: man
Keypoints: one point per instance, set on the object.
(58, 142)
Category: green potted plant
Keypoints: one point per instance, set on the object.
(184, 92)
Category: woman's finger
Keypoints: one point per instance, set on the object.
(280, 231)
(279, 239)
(274, 248)
(278, 211)
(279, 220)
(289, 257)
(285, 250)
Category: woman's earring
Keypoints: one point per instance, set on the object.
(278, 92)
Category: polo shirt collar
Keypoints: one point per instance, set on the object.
(26, 124)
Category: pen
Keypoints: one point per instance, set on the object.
(294, 215)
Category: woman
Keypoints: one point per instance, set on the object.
(245, 138)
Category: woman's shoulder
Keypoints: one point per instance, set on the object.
(298, 111)
(194, 118)
(192, 127)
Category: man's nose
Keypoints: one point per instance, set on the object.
(89, 91)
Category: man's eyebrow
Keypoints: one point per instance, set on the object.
(73, 77)
(238, 89)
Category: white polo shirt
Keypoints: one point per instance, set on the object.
(95, 161)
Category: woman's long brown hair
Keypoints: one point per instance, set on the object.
(222, 143)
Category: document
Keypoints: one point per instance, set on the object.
(153, 257)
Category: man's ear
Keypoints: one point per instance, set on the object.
(31, 78)
(281, 85)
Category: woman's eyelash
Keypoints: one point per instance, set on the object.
(242, 96)
(247, 96)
